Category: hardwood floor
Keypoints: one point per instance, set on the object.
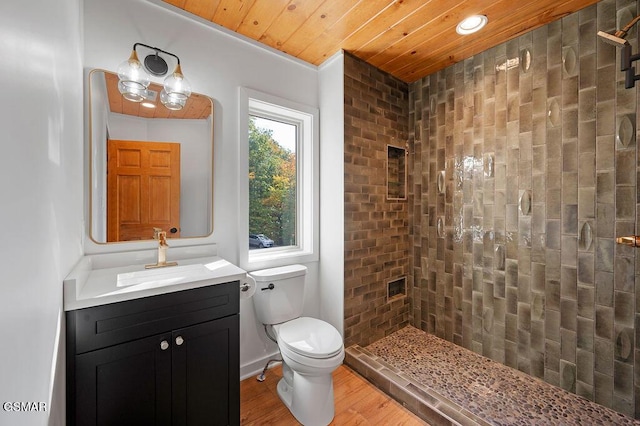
(357, 402)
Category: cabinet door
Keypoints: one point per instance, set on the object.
(126, 384)
(206, 373)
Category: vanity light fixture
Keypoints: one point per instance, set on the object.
(471, 24)
(135, 79)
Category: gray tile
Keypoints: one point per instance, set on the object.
(603, 387)
(604, 288)
(568, 340)
(568, 315)
(586, 268)
(605, 158)
(587, 105)
(605, 115)
(625, 202)
(587, 136)
(552, 325)
(604, 322)
(625, 167)
(606, 85)
(624, 275)
(605, 221)
(568, 376)
(570, 219)
(605, 186)
(622, 380)
(586, 203)
(586, 301)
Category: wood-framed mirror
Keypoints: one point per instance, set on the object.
(149, 167)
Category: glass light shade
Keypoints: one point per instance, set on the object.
(172, 101)
(471, 24)
(134, 80)
(131, 92)
(176, 87)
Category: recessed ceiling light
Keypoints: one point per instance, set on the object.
(471, 24)
(148, 104)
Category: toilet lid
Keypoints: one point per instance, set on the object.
(310, 337)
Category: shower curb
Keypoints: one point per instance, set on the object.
(420, 400)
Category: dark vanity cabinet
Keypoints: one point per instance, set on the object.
(171, 359)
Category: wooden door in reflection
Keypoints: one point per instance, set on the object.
(143, 189)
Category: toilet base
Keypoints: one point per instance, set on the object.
(309, 398)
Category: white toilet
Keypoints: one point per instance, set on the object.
(311, 348)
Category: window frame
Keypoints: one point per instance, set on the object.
(254, 103)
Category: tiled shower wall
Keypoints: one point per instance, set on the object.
(376, 229)
(513, 250)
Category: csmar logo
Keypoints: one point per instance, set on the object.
(24, 406)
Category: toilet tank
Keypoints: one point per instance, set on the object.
(279, 295)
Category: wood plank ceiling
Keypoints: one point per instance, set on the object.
(406, 38)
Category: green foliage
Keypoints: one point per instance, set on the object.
(272, 187)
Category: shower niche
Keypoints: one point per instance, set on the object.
(396, 173)
(396, 289)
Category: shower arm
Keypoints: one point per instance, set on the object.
(623, 32)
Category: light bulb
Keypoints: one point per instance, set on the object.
(134, 80)
(177, 86)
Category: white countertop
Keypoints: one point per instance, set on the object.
(94, 280)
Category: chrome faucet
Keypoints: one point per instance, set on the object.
(161, 236)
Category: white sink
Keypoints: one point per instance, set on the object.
(99, 279)
(162, 276)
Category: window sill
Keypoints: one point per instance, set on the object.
(268, 258)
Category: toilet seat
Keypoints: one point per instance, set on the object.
(310, 337)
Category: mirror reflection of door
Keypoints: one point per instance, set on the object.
(143, 189)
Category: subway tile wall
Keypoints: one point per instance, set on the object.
(524, 169)
(377, 238)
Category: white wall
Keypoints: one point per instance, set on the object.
(332, 191)
(41, 191)
(217, 63)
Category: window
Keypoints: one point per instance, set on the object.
(280, 183)
(272, 183)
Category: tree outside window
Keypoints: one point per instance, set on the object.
(272, 180)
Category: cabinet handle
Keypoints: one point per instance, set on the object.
(164, 345)
(179, 340)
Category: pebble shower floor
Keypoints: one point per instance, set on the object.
(447, 384)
